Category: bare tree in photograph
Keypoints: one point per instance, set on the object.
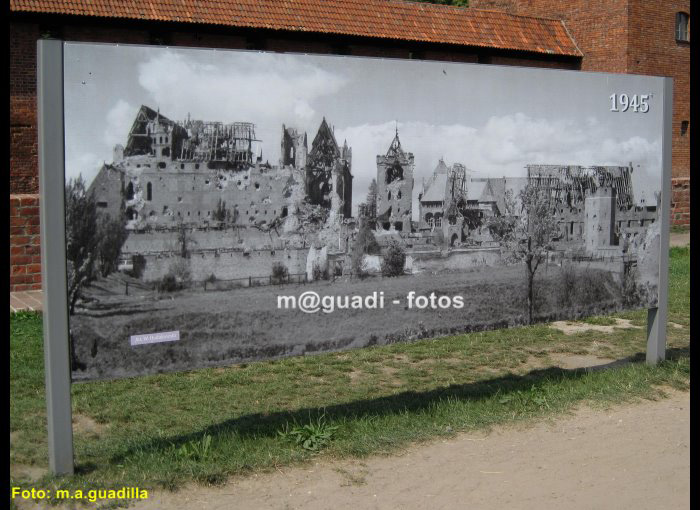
(221, 214)
(184, 240)
(82, 238)
(371, 202)
(112, 236)
(525, 231)
(364, 244)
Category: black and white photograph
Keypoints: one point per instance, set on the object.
(229, 206)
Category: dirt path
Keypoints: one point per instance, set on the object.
(634, 456)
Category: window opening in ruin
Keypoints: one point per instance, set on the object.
(684, 127)
(682, 24)
(398, 195)
(284, 212)
(394, 172)
(388, 195)
(182, 165)
(196, 166)
(161, 165)
(130, 191)
(257, 185)
(149, 192)
(102, 204)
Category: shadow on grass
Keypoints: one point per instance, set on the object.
(267, 425)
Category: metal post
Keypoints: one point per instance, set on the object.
(53, 255)
(658, 317)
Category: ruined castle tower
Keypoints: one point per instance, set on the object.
(395, 187)
(328, 177)
(600, 219)
(294, 148)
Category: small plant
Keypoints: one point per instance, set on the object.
(567, 288)
(180, 269)
(320, 273)
(393, 260)
(138, 266)
(196, 449)
(312, 437)
(280, 273)
(211, 278)
(169, 284)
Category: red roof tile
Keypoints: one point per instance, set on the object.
(389, 19)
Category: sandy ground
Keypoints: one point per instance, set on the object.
(633, 456)
(679, 239)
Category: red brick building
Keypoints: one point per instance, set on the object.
(615, 36)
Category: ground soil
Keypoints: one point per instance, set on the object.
(632, 456)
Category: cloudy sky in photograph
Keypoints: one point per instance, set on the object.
(493, 119)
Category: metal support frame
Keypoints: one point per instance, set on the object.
(53, 255)
(658, 317)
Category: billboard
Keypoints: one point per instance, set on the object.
(227, 206)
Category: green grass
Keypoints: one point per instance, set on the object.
(207, 425)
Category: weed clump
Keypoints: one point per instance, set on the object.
(393, 260)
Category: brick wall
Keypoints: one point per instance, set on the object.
(680, 201)
(25, 257)
(654, 50)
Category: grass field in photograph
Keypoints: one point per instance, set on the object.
(245, 324)
(206, 425)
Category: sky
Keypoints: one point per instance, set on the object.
(493, 119)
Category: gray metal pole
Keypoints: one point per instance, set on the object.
(658, 317)
(53, 254)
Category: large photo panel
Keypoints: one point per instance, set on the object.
(229, 206)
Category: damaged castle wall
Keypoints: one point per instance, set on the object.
(458, 259)
(227, 264)
(108, 186)
(189, 192)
